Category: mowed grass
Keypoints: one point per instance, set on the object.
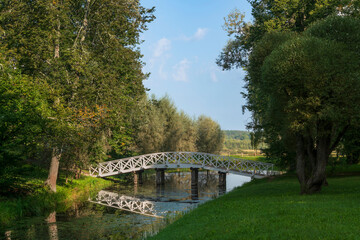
(273, 209)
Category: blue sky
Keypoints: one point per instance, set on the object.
(180, 50)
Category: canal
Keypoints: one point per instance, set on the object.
(126, 211)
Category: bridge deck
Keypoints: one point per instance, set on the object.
(183, 160)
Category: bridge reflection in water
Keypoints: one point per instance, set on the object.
(178, 194)
(126, 203)
(223, 165)
(148, 206)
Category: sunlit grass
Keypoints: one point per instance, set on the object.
(274, 209)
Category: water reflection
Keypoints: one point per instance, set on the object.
(8, 235)
(179, 193)
(96, 221)
(194, 192)
(53, 231)
(126, 203)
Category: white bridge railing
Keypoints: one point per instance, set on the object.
(183, 160)
(126, 203)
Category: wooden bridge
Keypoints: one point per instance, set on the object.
(192, 160)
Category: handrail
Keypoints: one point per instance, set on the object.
(183, 160)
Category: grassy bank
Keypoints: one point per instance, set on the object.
(273, 209)
(38, 201)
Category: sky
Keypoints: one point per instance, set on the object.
(180, 49)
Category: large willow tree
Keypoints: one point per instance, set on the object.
(282, 54)
(86, 52)
(310, 88)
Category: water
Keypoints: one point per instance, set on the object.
(125, 211)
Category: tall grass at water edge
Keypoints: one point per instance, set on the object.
(40, 201)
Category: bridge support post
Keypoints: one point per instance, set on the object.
(138, 177)
(194, 176)
(222, 189)
(194, 192)
(222, 179)
(160, 176)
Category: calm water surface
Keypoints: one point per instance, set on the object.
(125, 211)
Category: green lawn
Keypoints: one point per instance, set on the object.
(273, 209)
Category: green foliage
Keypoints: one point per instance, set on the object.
(275, 16)
(210, 137)
(306, 93)
(236, 144)
(236, 134)
(160, 127)
(274, 24)
(83, 57)
(150, 133)
(24, 114)
(235, 141)
(350, 145)
(308, 79)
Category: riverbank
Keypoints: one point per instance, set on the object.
(39, 201)
(273, 209)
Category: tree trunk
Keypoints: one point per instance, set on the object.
(300, 163)
(54, 169)
(53, 230)
(318, 176)
(311, 163)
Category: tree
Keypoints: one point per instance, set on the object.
(86, 53)
(312, 88)
(187, 140)
(244, 50)
(351, 145)
(210, 137)
(274, 16)
(150, 130)
(24, 120)
(161, 127)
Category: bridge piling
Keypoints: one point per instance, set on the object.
(222, 189)
(160, 176)
(222, 179)
(138, 177)
(194, 176)
(194, 192)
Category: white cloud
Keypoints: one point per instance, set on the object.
(162, 46)
(161, 72)
(198, 35)
(213, 76)
(180, 71)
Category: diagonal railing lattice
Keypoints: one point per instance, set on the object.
(126, 203)
(183, 160)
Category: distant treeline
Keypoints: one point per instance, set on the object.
(236, 140)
